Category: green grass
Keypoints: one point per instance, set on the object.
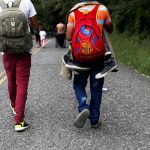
(132, 51)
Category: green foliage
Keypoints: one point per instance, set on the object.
(132, 51)
(132, 16)
(53, 11)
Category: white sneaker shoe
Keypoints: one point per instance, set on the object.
(21, 126)
(13, 109)
(109, 66)
(73, 65)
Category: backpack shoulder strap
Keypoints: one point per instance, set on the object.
(83, 4)
(3, 5)
(16, 3)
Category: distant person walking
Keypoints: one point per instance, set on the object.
(37, 38)
(16, 51)
(60, 35)
(43, 37)
(60, 28)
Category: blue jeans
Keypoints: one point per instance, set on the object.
(96, 85)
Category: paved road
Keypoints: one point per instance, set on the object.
(51, 110)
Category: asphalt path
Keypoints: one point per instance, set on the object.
(51, 110)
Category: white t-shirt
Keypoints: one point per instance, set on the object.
(42, 35)
(25, 6)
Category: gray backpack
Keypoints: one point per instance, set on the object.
(14, 35)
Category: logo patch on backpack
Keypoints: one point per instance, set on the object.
(87, 42)
(13, 24)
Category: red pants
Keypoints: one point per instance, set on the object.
(17, 69)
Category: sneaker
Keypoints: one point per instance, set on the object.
(109, 65)
(81, 118)
(108, 53)
(70, 64)
(13, 109)
(96, 125)
(115, 70)
(104, 89)
(21, 126)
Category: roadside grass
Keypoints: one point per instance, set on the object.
(132, 51)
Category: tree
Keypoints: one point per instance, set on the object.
(132, 16)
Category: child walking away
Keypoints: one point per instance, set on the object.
(85, 23)
(60, 35)
(43, 37)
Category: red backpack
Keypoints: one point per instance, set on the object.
(87, 42)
